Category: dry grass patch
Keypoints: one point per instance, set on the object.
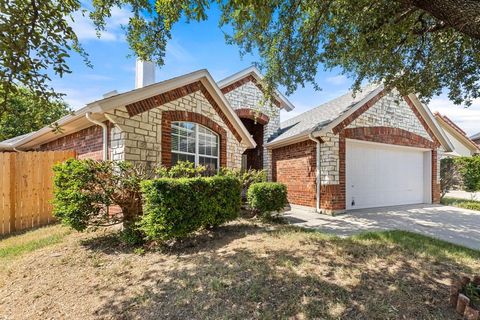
(243, 270)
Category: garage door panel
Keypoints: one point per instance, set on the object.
(382, 175)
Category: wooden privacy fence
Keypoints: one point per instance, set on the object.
(26, 188)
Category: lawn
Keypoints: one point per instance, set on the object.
(242, 270)
(461, 203)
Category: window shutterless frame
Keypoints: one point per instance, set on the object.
(197, 134)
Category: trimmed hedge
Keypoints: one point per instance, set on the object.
(267, 197)
(461, 203)
(174, 208)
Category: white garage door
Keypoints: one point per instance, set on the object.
(380, 175)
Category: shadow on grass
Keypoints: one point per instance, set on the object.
(333, 279)
(111, 242)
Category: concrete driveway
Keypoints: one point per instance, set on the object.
(460, 226)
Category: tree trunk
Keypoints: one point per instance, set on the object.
(462, 15)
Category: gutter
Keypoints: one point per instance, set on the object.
(317, 171)
(105, 134)
(6, 147)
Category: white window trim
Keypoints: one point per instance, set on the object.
(197, 154)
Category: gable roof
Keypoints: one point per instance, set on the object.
(447, 124)
(77, 121)
(322, 119)
(255, 73)
(315, 119)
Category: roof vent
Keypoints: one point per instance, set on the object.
(110, 94)
(144, 73)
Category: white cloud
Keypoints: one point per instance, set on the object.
(85, 29)
(337, 80)
(467, 118)
(175, 52)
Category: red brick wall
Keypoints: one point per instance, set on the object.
(332, 197)
(435, 185)
(87, 143)
(294, 165)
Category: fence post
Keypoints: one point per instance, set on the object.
(13, 160)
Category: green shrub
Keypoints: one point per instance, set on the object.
(246, 177)
(267, 197)
(174, 208)
(183, 169)
(461, 203)
(469, 169)
(85, 189)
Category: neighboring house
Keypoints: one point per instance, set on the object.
(476, 138)
(463, 146)
(375, 148)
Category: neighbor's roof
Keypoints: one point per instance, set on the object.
(475, 136)
(456, 131)
(77, 121)
(254, 72)
(319, 117)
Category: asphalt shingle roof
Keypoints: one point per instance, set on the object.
(475, 136)
(317, 118)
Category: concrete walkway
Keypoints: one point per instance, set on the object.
(460, 226)
(464, 195)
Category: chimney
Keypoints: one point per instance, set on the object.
(144, 73)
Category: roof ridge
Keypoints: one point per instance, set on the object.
(347, 94)
(451, 123)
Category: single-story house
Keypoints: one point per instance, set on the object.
(476, 138)
(368, 149)
(462, 144)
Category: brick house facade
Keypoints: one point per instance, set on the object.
(308, 153)
(385, 118)
(139, 122)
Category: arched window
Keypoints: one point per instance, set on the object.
(195, 143)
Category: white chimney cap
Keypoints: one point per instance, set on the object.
(144, 73)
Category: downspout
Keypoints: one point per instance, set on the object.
(317, 170)
(105, 134)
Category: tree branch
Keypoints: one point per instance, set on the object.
(461, 15)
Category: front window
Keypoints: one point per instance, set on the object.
(195, 143)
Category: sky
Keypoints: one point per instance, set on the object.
(198, 46)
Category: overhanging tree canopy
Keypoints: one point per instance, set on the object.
(414, 45)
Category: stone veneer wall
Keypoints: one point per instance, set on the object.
(139, 138)
(390, 111)
(248, 95)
